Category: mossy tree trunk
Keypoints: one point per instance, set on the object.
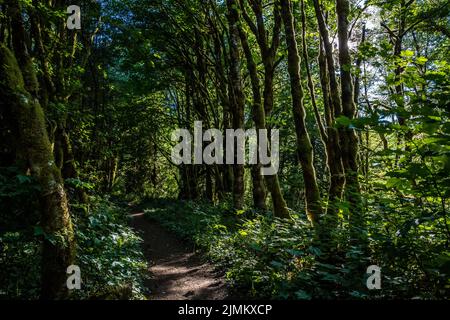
(259, 190)
(268, 50)
(238, 99)
(304, 146)
(333, 109)
(34, 153)
(220, 63)
(351, 143)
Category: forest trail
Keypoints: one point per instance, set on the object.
(176, 271)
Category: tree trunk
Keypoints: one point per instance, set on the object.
(279, 204)
(350, 145)
(226, 178)
(36, 155)
(304, 146)
(259, 190)
(333, 110)
(268, 53)
(238, 99)
(333, 145)
(322, 131)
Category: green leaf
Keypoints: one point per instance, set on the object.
(303, 295)
(23, 179)
(421, 60)
(295, 253)
(243, 233)
(407, 53)
(394, 182)
(343, 121)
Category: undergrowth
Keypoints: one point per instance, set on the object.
(108, 251)
(266, 257)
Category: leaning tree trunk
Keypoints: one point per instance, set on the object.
(35, 155)
(304, 146)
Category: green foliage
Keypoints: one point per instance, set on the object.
(108, 254)
(188, 219)
(20, 265)
(19, 201)
(264, 257)
(148, 67)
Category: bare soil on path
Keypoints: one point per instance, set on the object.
(177, 272)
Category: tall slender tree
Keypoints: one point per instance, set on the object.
(237, 98)
(350, 139)
(268, 50)
(305, 151)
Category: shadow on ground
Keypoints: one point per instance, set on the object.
(177, 271)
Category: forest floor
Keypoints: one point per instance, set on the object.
(177, 271)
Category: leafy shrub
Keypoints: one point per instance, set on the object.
(108, 254)
(20, 265)
(19, 247)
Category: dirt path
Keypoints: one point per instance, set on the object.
(177, 272)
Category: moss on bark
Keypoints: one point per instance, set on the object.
(35, 152)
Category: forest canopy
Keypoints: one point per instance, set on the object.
(356, 92)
